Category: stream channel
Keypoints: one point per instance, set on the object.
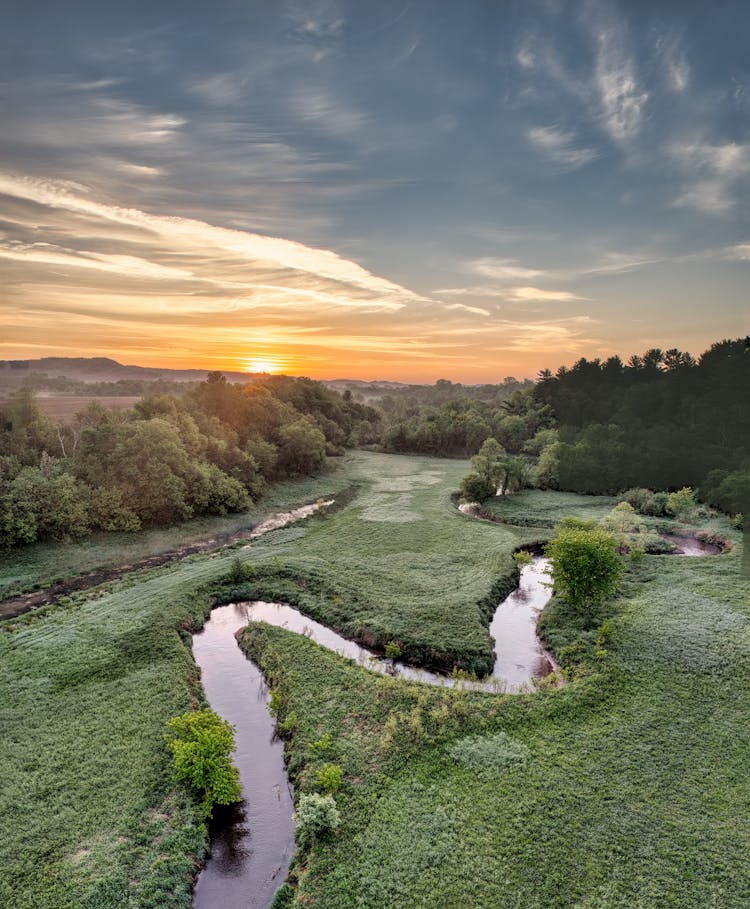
(252, 844)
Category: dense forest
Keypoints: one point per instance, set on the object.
(448, 419)
(209, 451)
(662, 420)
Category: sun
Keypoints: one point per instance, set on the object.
(262, 364)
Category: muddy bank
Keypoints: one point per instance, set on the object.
(699, 544)
(15, 606)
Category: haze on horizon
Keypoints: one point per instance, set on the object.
(402, 190)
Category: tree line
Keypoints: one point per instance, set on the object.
(661, 420)
(212, 450)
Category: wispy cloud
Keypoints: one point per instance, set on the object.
(712, 170)
(546, 296)
(501, 269)
(559, 146)
(237, 260)
(621, 97)
(674, 62)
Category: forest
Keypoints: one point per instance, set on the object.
(663, 420)
(212, 450)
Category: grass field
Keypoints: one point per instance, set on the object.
(89, 817)
(632, 790)
(632, 786)
(398, 563)
(544, 508)
(62, 408)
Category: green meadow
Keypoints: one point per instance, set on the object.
(626, 788)
(398, 562)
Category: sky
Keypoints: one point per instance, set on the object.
(391, 190)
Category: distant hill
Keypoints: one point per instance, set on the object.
(103, 369)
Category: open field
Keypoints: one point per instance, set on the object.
(544, 508)
(62, 408)
(398, 563)
(632, 791)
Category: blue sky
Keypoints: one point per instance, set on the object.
(390, 190)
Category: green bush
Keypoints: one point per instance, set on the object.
(202, 743)
(681, 504)
(644, 501)
(317, 817)
(329, 778)
(585, 566)
(522, 557)
(392, 651)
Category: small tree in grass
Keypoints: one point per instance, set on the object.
(586, 568)
(681, 504)
(201, 743)
(317, 817)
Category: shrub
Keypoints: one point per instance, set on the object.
(329, 778)
(681, 504)
(392, 650)
(522, 557)
(317, 817)
(476, 489)
(323, 744)
(644, 501)
(201, 743)
(585, 566)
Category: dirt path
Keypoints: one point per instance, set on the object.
(15, 606)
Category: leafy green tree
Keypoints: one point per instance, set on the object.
(317, 817)
(547, 474)
(515, 474)
(302, 447)
(681, 504)
(202, 743)
(586, 568)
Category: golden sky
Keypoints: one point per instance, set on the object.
(179, 292)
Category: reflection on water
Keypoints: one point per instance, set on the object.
(230, 838)
(519, 657)
(252, 845)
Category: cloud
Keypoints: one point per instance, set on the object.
(713, 171)
(676, 67)
(559, 146)
(346, 280)
(547, 296)
(501, 269)
(621, 98)
(125, 266)
(473, 309)
(547, 336)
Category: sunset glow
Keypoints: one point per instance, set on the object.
(261, 365)
(370, 191)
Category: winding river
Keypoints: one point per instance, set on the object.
(252, 846)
